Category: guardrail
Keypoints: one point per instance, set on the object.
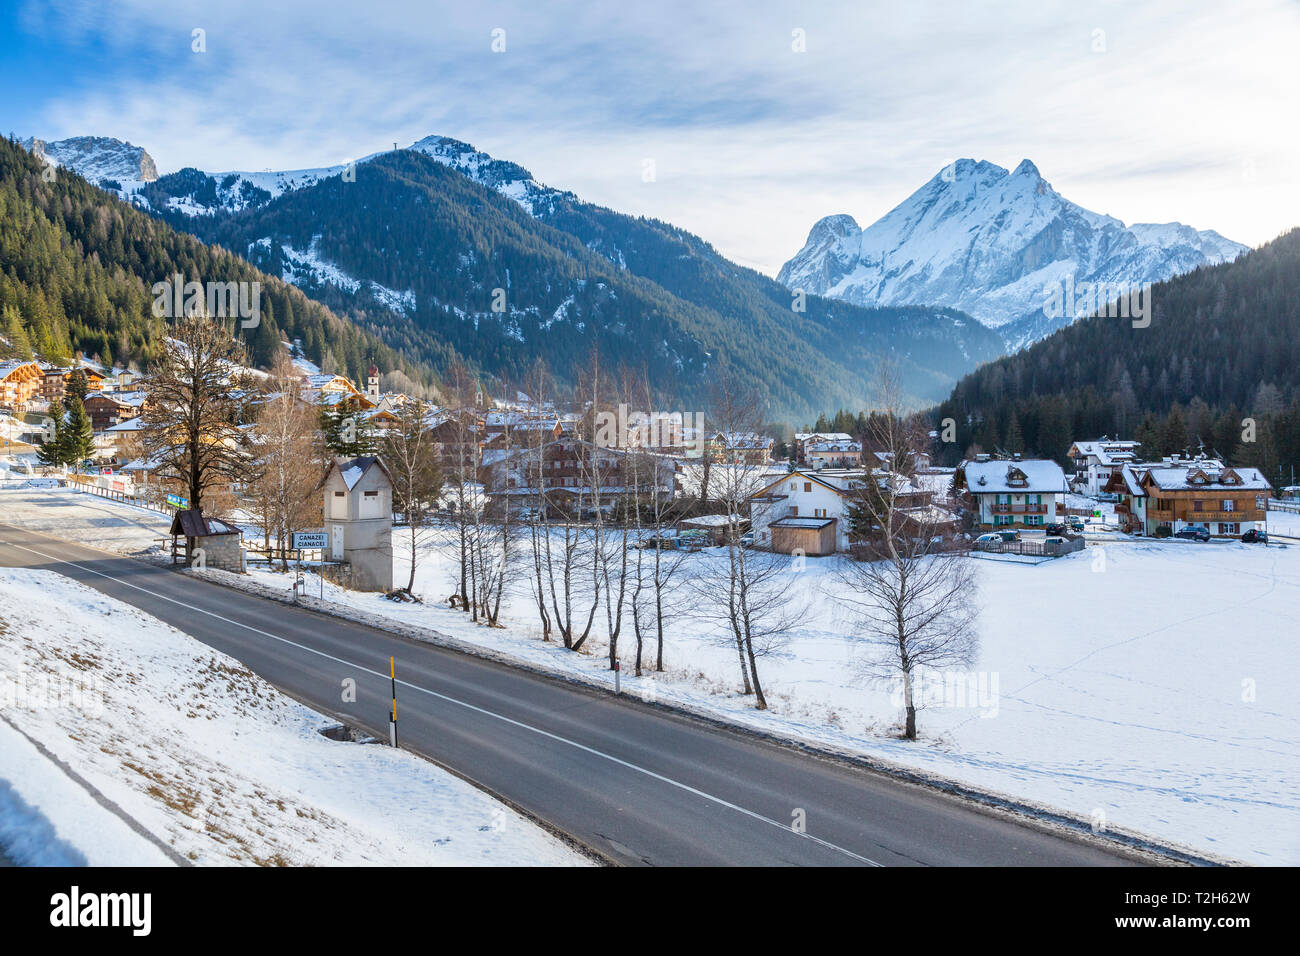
(1283, 504)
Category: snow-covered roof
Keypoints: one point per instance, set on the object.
(840, 446)
(1032, 475)
(822, 436)
(1202, 475)
(133, 399)
(744, 439)
(130, 425)
(7, 368)
(1132, 475)
(1107, 451)
(711, 521)
(793, 522)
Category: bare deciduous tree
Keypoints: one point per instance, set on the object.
(283, 495)
(754, 591)
(911, 592)
(194, 414)
(413, 465)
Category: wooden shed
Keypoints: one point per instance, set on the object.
(815, 536)
(220, 543)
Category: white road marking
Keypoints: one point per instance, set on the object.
(509, 720)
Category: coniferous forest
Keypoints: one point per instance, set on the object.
(79, 266)
(1222, 351)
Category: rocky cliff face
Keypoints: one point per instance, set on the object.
(991, 242)
(98, 158)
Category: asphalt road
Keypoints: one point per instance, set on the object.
(636, 783)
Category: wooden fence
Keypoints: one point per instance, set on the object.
(113, 495)
(1035, 547)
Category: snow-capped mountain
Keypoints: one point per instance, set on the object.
(194, 192)
(97, 158)
(575, 273)
(994, 244)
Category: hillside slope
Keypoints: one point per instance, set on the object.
(78, 267)
(418, 238)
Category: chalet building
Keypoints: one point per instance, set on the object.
(803, 439)
(808, 508)
(54, 381)
(510, 428)
(458, 436)
(747, 448)
(107, 409)
(833, 454)
(334, 391)
(1025, 493)
(20, 384)
(573, 476)
(1097, 462)
(918, 462)
(1177, 493)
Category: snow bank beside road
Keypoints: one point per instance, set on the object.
(48, 819)
(210, 758)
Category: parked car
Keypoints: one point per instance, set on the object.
(1009, 534)
(1075, 522)
(1254, 536)
(1054, 529)
(989, 538)
(1193, 533)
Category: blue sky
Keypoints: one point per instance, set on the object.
(1149, 112)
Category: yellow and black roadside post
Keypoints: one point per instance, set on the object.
(392, 721)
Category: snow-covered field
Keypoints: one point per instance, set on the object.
(1146, 686)
(205, 756)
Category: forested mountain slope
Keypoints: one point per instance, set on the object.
(1223, 345)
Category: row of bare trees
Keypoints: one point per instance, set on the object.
(589, 547)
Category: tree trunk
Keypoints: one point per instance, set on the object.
(910, 729)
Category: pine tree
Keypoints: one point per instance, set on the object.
(52, 452)
(78, 437)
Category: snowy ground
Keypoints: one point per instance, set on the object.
(1147, 686)
(206, 756)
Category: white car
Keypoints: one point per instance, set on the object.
(988, 538)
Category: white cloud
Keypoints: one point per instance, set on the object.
(1185, 115)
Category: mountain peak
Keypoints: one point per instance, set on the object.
(839, 226)
(1027, 168)
(988, 242)
(97, 157)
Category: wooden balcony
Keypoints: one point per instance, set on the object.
(1203, 517)
(1024, 509)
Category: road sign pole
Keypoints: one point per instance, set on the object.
(392, 723)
